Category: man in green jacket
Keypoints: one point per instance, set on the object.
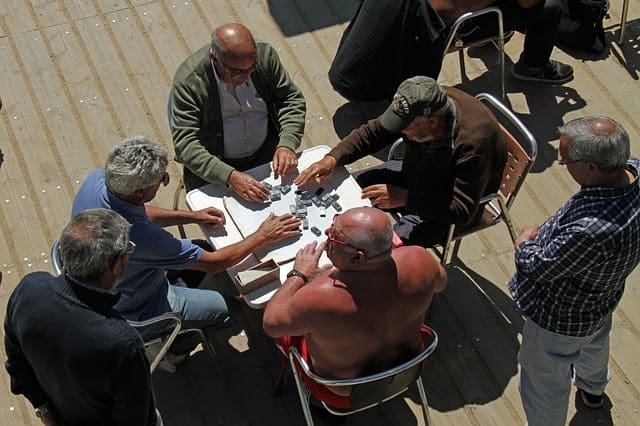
(233, 107)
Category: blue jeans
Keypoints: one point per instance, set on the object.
(200, 309)
(546, 361)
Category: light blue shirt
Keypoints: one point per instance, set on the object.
(144, 284)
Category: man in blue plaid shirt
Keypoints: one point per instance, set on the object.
(571, 272)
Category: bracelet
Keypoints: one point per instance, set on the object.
(296, 273)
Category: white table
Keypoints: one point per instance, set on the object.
(212, 195)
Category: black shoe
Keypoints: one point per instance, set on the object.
(591, 400)
(553, 72)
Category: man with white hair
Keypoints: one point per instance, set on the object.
(571, 272)
(133, 174)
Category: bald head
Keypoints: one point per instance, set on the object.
(367, 228)
(232, 42)
(597, 139)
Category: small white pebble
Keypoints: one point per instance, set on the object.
(6, 201)
(113, 20)
(144, 13)
(25, 259)
(44, 190)
(12, 408)
(126, 89)
(41, 254)
(15, 117)
(77, 181)
(46, 261)
(58, 187)
(81, 101)
(29, 265)
(23, 197)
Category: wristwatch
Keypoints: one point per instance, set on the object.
(42, 411)
(296, 273)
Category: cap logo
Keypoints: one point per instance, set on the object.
(401, 105)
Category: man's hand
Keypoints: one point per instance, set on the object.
(307, 258)
(247, 187)
(319, 171)
(276, 228)
(528, 233)
(386, 196)
(284, 160)
(210, 216)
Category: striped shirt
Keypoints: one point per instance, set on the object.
(572, 275)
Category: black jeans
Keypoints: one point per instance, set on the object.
(411, 228)
(539, 24)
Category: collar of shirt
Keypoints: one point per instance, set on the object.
(96, 297)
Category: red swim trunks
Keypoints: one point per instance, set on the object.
(321, 392)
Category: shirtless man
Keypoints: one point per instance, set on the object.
(363, 314)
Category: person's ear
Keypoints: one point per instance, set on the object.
(358, 258)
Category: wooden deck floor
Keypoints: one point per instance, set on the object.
(77, 76)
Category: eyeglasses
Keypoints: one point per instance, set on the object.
(565, 162)
(329, 233)
(165, 179)
(234, 72)
(131, 246)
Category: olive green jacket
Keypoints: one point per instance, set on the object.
(196, 119)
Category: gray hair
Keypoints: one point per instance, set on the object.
(373, 243)
(133, 164)
(609, 150)
(92, 241)
(218, 49)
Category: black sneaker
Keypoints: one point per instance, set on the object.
(591, 400)
(553, 72)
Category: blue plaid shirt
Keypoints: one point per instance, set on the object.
(572, 275)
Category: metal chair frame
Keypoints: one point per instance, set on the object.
(403, 375)
(519, 162)
(623, 21)
(454, 43)
(173, 320)
(180, 187)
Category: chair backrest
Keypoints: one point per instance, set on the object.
(454, 41)
(371, 390)
(522, 151)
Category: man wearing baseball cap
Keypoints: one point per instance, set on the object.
(455, 154)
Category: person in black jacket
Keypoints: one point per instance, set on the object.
(74, 357)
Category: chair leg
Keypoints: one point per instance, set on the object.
(176, 201)
(463, 68)
(302, 394)
(623, 21)
(423, 400)
(447, 245)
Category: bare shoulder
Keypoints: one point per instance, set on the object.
(405, 255)
(418, 269)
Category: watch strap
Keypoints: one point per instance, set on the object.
(296, 273)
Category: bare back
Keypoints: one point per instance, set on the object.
(368, 321)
